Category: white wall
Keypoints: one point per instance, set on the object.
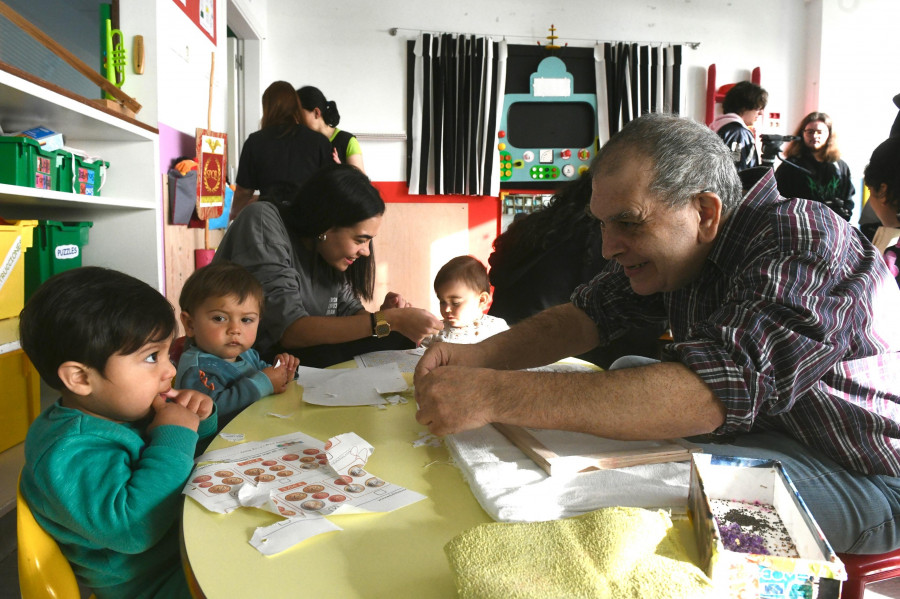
(860, 75)
(174, 88)
(345, 48)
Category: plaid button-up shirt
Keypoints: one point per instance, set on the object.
(794, 323)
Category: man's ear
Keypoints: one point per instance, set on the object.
(188, 323)
(75, 377)
(709, 210)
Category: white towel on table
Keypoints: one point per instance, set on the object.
(512, 488)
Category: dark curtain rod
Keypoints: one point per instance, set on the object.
(395, 30)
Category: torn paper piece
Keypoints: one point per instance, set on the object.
(427, 439)
(293, 476)
(282, 535)
(350, 387)
(233, 437)
(274, 415)
(405, 359)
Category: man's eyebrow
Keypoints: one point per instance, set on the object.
(624, 215)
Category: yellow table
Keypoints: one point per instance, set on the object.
(395, 554)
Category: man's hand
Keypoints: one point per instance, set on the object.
(454, 399)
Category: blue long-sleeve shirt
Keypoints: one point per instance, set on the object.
(232, 385)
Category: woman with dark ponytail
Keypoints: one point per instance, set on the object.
(322, 115)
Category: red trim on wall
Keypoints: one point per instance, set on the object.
(482, 210)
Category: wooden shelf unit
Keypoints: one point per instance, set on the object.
(127, 232)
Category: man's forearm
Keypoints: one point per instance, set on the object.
(650, 402)
(544, 338)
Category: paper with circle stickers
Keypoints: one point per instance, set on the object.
(297, 477)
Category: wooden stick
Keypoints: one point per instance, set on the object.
(67, 56)
(212, 71)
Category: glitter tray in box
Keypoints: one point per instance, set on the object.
(814, 571)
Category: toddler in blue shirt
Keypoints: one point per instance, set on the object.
(220, 309)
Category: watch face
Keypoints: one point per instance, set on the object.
(382, 329)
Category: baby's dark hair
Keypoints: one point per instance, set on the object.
(219, 279)
(465, 269)
(87, 315)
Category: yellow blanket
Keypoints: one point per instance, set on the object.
(612, 552)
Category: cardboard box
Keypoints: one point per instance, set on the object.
(49, 140)
(815, 574)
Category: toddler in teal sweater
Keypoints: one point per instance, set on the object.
(105, 464)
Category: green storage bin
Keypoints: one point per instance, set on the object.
(56, 247)
(23, 162)
(81, 175)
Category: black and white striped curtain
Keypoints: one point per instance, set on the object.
(457, 88)
(633, 80)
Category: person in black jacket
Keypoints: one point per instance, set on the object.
(282, 151)
(813, 168)
(743, 105)
(545, 255)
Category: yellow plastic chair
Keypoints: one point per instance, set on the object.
(44, 572)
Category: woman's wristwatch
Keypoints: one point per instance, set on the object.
(380, 326)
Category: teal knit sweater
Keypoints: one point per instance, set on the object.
(111, 497)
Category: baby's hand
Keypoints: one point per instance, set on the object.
(290, 363)
(169, 412)
(276, 377)
(195, 401)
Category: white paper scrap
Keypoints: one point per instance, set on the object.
(284, 534)
(405, 359)
(274, 415)
(233, 437)
(350, 387)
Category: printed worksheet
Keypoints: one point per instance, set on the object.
(297, 477)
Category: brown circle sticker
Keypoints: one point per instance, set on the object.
(202, 479)
(309, 466)
(343, 480)
(312, 505)
(219, 489)
(354, 488)
(321, 456)
(295, 496)
(232, 480)
(321, 495)
(374, 482)
(277, 468)
(307, 459)
(205, 485)
(285, 473)
(264, 478)
(290, 457)
(337, 498)
(224, 473)
(287, 512)
(313, 488)
(269, 463)
(254, 471)
(311, 451)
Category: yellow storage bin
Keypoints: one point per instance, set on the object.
(20, 402)
(15, 239)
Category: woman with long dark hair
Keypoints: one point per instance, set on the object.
(311, 248)
(813, 168)
(283, 150)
